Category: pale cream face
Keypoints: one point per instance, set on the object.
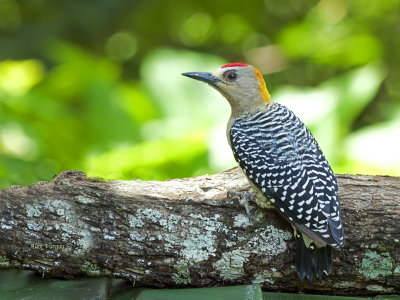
(243, 87)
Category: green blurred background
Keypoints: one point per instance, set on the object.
(96, 85)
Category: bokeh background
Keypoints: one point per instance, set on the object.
(96, 85)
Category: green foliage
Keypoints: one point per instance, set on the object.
(248, 292)
(97, 86)
(287, 296)
(17, 284)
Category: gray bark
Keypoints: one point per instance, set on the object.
(188, 233)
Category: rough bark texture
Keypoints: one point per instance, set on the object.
(187, 232)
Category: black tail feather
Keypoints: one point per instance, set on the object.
(315, 257)
(312, 260)
(303, 258)
(325, 259)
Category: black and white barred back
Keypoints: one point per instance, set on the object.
(281, 158)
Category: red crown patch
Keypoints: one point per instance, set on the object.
(238, 64)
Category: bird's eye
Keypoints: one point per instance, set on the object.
(230, 75)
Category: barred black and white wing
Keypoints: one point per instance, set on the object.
(281, 158)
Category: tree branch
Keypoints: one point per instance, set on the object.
(187, 232)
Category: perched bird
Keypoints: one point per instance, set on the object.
(283, 164)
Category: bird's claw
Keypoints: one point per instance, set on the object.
(244, 198)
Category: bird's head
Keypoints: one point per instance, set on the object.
(241, 84)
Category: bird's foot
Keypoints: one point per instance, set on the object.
(244, 199)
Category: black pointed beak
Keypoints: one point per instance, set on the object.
(203, 76)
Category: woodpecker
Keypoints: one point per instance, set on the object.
(283, 164)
